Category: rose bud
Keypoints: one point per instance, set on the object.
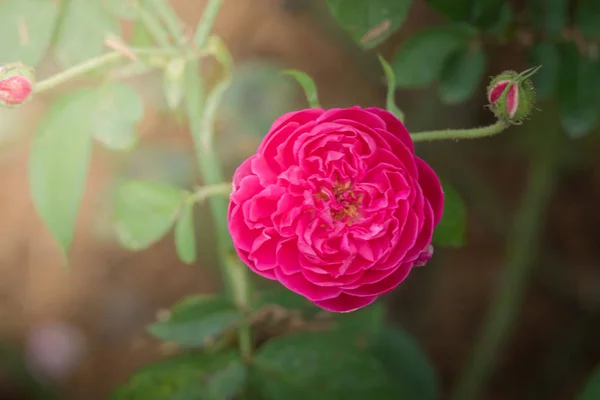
(335, 205)
(16, 84)
(512, 96)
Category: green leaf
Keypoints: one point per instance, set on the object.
(591, 390)
(58, 164)
(192, 376)
(405, 362)
(420, 59)
(455, 10)
(145, 211)
(308, 85)
(84, 26)
(370, 22)
(578, 89)
(549, 15)
(545, 80)
(365, 323)
(119, 109)
(196, 319)
(319, 366)
(587, 18)
(25, 30)
(185, 237)
(461, 75)
(126, 9)
(391, 89)
(451, 229)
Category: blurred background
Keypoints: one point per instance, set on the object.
(81, 332)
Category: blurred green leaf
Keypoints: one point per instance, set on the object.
(461, 75)
(579, 90)
(191, 376)
(185, 237)
(25, 30)
(545, 80)
(587, 18)
(591, 390)
(451, 229)
(308, 85)
(404, 361)
(391, 89)
(174, 82)
(59, 161)
(487, 13)
(195, 319)
(141, 37)
(145, 211)
(550, 16)
(455, 10)
(365, 323)
(318, 366)
(126, 9)
(370, 22)
(420, 59)
(119, 108)
(286, 299)
(84, 26)
(501, 22)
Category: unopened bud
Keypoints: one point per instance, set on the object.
(16, 84)
(512, 95)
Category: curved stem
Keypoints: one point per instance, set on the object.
(448, 134)
(204, 192)
(521, 252)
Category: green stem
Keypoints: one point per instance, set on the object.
(155, 28)
(521, 252)
(235, 273)
(448, 134)
(206, 23)
(206, 192)
(90, 65)
(173, 24)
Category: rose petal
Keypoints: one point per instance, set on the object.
(345, 303)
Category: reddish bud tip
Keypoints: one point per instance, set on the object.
(15, 90)
(511, 96)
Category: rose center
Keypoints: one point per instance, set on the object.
(343, 202)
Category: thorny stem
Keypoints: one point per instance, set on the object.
(521, 253)
(449, 134)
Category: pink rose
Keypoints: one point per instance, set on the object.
(335, 206)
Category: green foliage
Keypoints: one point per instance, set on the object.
(185, 236)
(461, 74)
(308, 85)
(195, 320)
(59, 160)
(83, 19)
(118, 109)
(391, 89)
(451, 229)
(546, 79)
(403, 359)
(192, 376)
(145, 211)
(174, 82)
(318, 366)
(25, 30)
(591, 390)
(420, 59)
(588, 18)
(549, 16)
(579, 91)
(370, 22)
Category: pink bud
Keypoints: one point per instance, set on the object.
(512, 96)
(424, 256)
(15, 89)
